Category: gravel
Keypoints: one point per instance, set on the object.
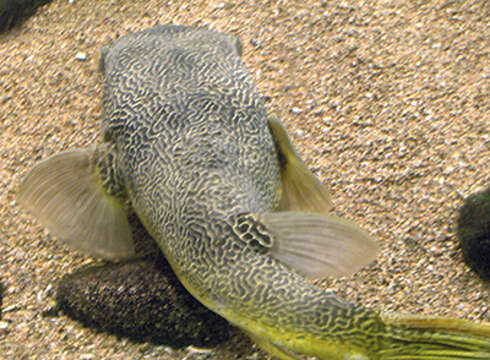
(387, 102)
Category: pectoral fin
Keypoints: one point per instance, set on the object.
(66, 194)
(301, 189)
(318, 245)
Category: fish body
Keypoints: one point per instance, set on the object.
(220, 188)
(197, 157)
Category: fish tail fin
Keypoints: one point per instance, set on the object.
(413, 337)
(65, 193)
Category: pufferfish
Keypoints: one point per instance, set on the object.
(240, 218)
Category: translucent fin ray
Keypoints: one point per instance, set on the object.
(66, 195)
(301, 189)
(318, 245)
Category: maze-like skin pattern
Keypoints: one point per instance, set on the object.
(197, 160)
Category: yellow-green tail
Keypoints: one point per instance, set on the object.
(413, 337)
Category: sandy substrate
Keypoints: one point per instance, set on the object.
(387, 103)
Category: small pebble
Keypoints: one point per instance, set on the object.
(40, 297)
(48, 289)
(87, 357)
(81, 56)
(255, 43)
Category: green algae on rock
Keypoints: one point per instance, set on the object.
(474, 232)
(141, 299)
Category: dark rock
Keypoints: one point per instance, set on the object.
(474, 232)
(143, 300)
(13, 12)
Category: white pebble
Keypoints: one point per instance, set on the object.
(81, 56)
(87, 356)
(39, 297)
(48, 289)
